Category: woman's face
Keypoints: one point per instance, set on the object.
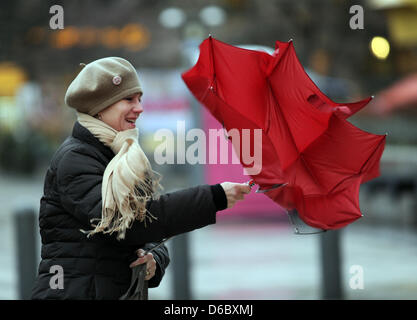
(123, 114)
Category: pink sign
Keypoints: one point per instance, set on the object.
(255, 204)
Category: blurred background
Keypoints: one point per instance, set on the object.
(252, 252)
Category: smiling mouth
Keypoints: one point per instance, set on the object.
(130, 120)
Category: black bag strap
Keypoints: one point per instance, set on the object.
(138, 289)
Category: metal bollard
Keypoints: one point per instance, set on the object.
(181, 267)
(331, 265)
(26, 250)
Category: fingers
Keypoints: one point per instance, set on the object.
(241, 190)
(247, 189)
(230, 202)
(239, 195)
(235, 192)
(137, 262)
(140, 252)
(244, 188)
(149, 260)
(150, 269)
(142, 259)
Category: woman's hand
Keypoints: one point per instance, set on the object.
(235, 192)
(149, 260)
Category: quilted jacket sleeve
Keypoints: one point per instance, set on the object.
(79, 180)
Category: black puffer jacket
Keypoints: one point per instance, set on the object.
(98, 267)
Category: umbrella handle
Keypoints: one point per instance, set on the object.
(251, 183)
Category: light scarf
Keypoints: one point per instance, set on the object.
(128, 180)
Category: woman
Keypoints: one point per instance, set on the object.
(100, 205)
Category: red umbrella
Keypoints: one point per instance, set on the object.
(312, 156)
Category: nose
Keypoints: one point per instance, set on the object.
(138, 108)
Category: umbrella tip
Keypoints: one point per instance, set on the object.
(291, 40)
(386, 133)
(372, 97)
(209, 35)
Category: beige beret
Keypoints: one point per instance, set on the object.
(102, 83)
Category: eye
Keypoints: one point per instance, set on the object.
(129, 99)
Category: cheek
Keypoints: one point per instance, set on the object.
(121, 122)
(114, 120)
(123, 116)
(115, 116)
(118, 115)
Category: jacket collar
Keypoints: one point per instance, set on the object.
(83, 134)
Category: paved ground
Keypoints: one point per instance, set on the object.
(254, 259)
(267, 261)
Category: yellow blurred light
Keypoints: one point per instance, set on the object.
(380, 47)
(110, 38)
(88, 36)
(134, 37)
(11, 78)
(65, 38)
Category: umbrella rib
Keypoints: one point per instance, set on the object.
(278, 57)
(213, 81)
(373, 152)
(360, 171)
(282, 114)
(309, 171)
(243, 116)
(275, 99)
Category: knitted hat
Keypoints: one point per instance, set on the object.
(102, 83)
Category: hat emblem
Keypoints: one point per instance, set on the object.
(117, 80)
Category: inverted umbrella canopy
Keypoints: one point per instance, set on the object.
(309, 149)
